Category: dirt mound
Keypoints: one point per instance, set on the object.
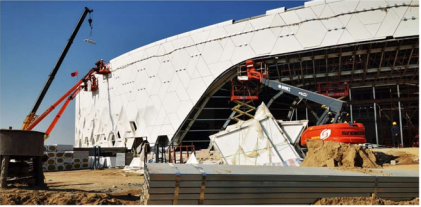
(55, 198)
(334, 154)
(407, 159)
(363, 201)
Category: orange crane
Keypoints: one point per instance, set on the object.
(31, 117)
(70, 95)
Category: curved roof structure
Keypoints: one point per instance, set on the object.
(153, 90)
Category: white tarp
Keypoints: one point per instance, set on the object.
(260, 141)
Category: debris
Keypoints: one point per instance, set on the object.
(393, 162)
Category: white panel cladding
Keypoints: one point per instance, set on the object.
(195, 89)
(166, 130)
(184, 109)
(344, 7)
(332, 37)
(286, 44)
(174, 82)
(131, 111)
(243, 37)
(371, 17)
(158, 84)
(346, 38)
(311, 34)
(330, 22)
(290, 17)
(171, 102)
(263, 47)
(165, 71)
(306, 14)
(357, 29)
(184, 78)
(191, 66)
(410, 23)
(160, 118)
(314, 3)
(242, 53)
(275, 11)
(212, 52)
(373, 28)
(228, 51)
(276, 25)
(388, 27)
(175, 121)
(150, 116)
(399, 11)
(219, 67)
(318, 9)
(202, 67)
(262, 22)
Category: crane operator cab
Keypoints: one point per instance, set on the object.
(101, 67)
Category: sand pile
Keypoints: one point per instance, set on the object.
(334, 154)
(363, 201)
(55, 198)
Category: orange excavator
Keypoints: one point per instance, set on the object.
(330, 125)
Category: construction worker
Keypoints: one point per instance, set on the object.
(395, 134)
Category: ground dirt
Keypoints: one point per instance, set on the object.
(363, 201)
(90, 187)
(335, 154)
(113, 186)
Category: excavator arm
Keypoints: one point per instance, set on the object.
(330, 104)
(333, 107)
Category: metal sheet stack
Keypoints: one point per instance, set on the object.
(60, 157)
(167, 184)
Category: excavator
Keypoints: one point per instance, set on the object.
(331, 125)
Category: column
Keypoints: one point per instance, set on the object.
(350, 107)
(375, 116)
(400, 115)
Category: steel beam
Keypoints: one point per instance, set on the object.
(395, 59)
(407, 64)
(371, 70)
(350, 53)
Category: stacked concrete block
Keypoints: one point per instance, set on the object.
(61, 157)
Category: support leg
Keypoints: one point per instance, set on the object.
(4, 170)
(39, 174)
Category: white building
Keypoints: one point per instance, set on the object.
(154, 89)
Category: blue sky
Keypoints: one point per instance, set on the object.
(33, 35)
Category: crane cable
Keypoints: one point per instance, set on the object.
(90, 25)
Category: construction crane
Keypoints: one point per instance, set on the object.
(330, 125)
(31, 117)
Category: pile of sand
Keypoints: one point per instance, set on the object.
(41, 197)
(363, 201)
(334, 154)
